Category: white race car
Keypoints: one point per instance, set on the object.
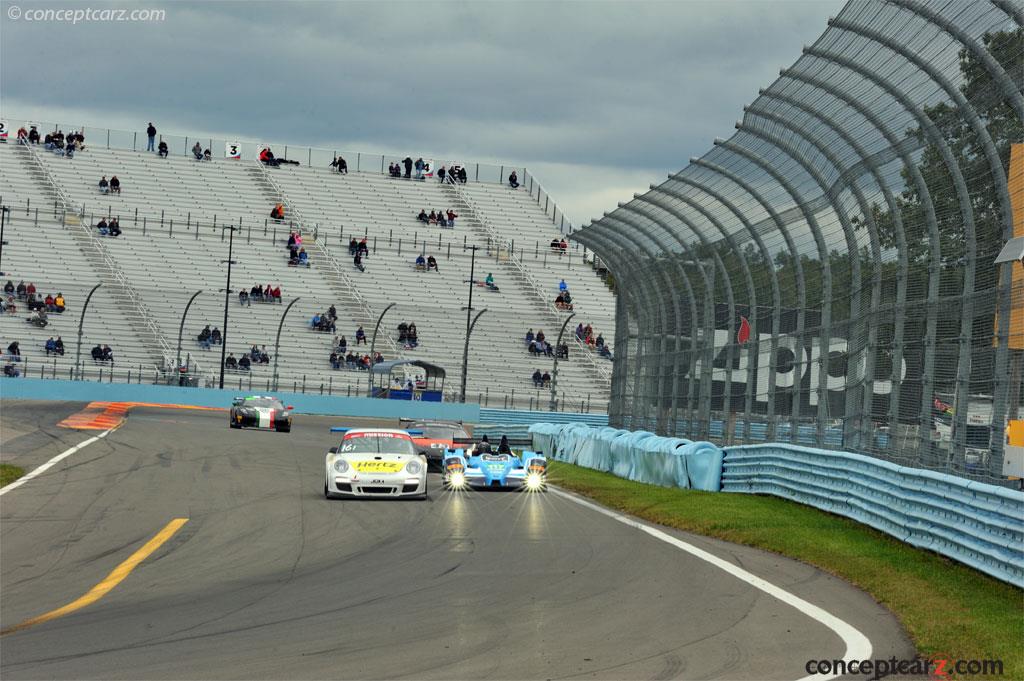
(375, 462)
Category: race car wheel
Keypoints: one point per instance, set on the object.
(234, 425)
(425, 495)
(284, 429)
(327, 495)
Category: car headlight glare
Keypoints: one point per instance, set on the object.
(413, 467)
(340, 465)
(534, 481)
(457, 480)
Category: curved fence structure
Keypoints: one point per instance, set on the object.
(826, 275)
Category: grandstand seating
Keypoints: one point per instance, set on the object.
(172, 211)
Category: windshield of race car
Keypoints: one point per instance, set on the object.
(263, 403)
(442, 432)
(376, 443)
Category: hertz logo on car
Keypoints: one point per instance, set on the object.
(377, 466)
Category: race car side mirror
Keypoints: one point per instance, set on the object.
(333, 450)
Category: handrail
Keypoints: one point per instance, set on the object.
(368, 313)
(533, 284)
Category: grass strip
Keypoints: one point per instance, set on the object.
(9, 474)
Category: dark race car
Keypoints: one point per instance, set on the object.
(260, 411)
(434, 438)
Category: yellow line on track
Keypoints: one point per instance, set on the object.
(111, 580)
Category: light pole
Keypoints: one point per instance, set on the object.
(227, 298)
(373, 345)
(181, 330)
(469, 320)
(554, 369)
(277, 341)
(465, 355)
(81, 320)
(4, 210)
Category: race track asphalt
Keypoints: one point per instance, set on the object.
(268, 580)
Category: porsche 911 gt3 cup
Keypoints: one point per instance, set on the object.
(260, 411)
(478, 470)
(375, 462)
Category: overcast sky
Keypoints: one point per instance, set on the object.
(599, 99)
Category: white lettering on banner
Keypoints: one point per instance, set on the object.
(232, 150)
(804, 364)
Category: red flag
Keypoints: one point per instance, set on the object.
(743, 334)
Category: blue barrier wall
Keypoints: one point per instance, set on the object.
(974, 523)
(85, 391)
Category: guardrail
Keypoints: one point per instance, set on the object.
(975, 523)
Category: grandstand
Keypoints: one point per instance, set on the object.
(173, 212)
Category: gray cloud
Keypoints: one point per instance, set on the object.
(597, 97)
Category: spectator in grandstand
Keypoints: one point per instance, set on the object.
(363, 247)
(605, 351)
(538, 379)
(104, 185)
(423, 217)
(413, 339)
(197, 151)
(115, 185)
(341, 343)
(360, 336)
(562, 286)
(432, 264)
(291, 238)
(554, 244)
(50, 346)
(563, 245)
(421, 263)
(59, 304)
(162, 149)
(277, 213)
(9, 287)
(391, 169)
(69, 150)
(207, 156)
(97, 353)
(408, 167)
(403, 331)
(579, 331)
(9, 306)
(243, 298)
(529, 337)
(48, 302)
(563, 301)
(215, 336)
(463, 176)
(58, 346)
(231, 362)
(335, 361)
(353, 246)
(114, 227)
(357, 260)
(599, 343)
(440, 174)
(513, 180)
(562, 351)
(489, 282)
(151, 134)
(303, 257)
(340, 165)
(276, 294)
(102, 226)
(33, 135)
(204, 337)
(256, 293)
(540, 336)
(432, 218)
(244, 363)
(14, 350)
(451, 217)
(547, 379)
(420, 165)
(108, 354)
(332, 312)
(22, 290)
(11, 371)
(267, 158)
(22, 135)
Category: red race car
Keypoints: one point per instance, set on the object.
(435, 438)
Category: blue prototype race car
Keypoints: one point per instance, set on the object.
(480, 468)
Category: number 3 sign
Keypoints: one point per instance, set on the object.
(233, 150)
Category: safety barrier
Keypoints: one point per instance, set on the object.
(639, 456)
(974, 523)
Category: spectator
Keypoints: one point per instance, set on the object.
(451, 217)
(267, 158)
(600, 341)
(341, 165)
(513, 180)
(360, 336)
(162, 149)
(50, 347)
(421, 262)
(432, 264)
(215, 336)
(332, 312)
(554, 244)
(204, 337)
(423, 217)
(14, 350)
(59, 346)
(358, 262)
(244, 363)
(9, 287)
(151, 134)
(197, 151)
(115, 185)
(102, 227)
(546, 378)
(335, 362)
(97, 353)
(529, 336)
(22, 290)
(579, 331)
(243, 298)
(377, 358)
(605, 351)
(562, 351)
(341, 344)
(9, 306)
(540, 336)
(256, 293)
(303, 257)
(419, 168)
(350, 361)
(22, 135)
(30, 289)
(562, 286)
(440, 174)
(408, 167)
(276, 293)
(207, 156)
(231, 362)
(412, 340)
(277, 213)
(432, 218)
(50, 306)
(353, 246)
(563, 245)
(489, 282)
(563, 301)
(391, 169)
(114, 227)
(108, 354)
(403, 332)
(104, 185)
(33, 135)
(11, 371)
(363, 247)
(463, 177)
(538, 379)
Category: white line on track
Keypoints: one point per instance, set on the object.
(49, 464)
(858, 647)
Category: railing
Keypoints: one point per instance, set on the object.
(501, 242)
(551, 209)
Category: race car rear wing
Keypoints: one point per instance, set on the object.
(512, 441)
